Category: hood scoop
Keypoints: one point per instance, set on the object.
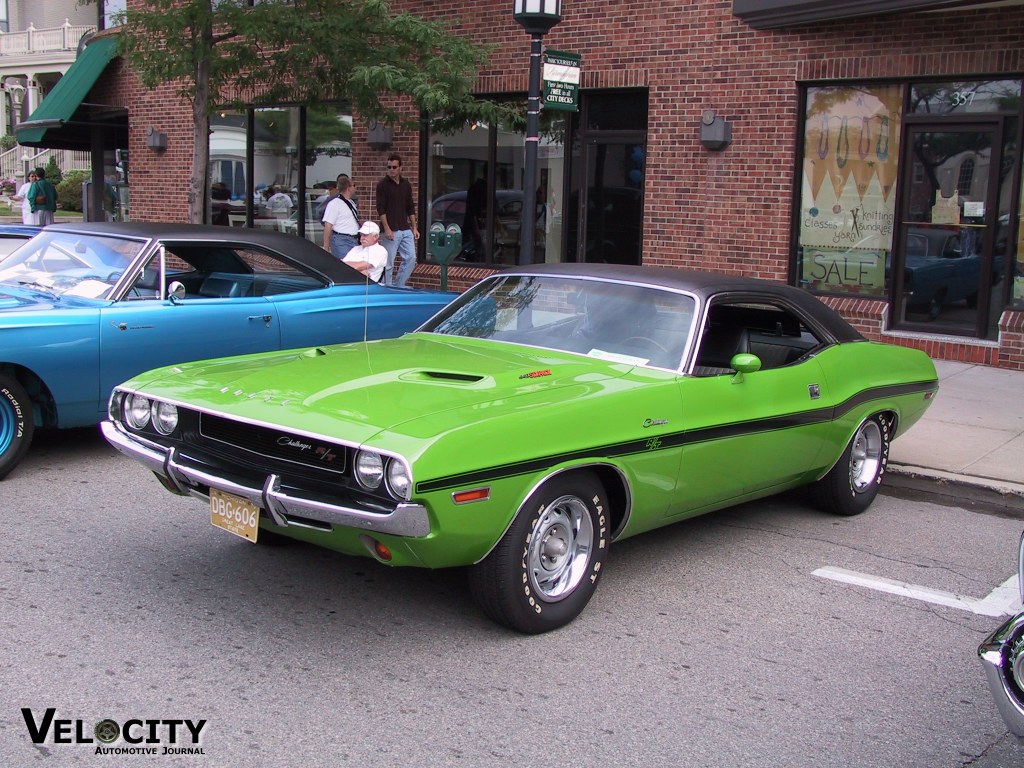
(443, 377)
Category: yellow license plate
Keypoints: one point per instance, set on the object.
(234, 514)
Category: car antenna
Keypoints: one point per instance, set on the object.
(366, 307)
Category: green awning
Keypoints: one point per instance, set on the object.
(63, 120)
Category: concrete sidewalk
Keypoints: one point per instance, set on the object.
(969, 447)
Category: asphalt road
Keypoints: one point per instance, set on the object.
(715, 642)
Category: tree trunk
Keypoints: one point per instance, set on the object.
(197, 187)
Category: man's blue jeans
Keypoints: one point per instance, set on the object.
(341, 244)
(405, 244)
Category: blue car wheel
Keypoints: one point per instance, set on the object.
(16, 423)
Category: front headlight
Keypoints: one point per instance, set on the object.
(399, 482)
(369, 469)
(136, 411)
(165, 417)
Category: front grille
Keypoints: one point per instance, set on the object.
(275, 444)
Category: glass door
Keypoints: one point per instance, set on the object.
(945, 277)
(605, 209)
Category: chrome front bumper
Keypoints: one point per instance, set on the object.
(1002, 655)
(405, 519)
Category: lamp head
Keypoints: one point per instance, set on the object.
(537, 16)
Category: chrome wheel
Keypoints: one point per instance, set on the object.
(866, 456)
(559, 549)
(1015, 659)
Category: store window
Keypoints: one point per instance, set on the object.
(847, 208)
(910, 192)
(475, 193)
(270, 166)
(228, 133)
(111, 13)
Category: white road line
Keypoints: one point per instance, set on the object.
(1004, 600)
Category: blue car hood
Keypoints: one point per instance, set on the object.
(17, 299)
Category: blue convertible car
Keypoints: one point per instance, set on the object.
(85, 306)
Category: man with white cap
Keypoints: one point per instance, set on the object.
(369, 257)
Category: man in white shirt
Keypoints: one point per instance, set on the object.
(280, 203)
(341, 220)
(369, 257)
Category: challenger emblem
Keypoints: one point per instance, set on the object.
(654, 422)
(321, 452)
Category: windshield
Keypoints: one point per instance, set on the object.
(69, 263)
(634, 324)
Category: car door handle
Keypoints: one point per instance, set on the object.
(265, 318)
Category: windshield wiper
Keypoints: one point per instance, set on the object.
(36, 286)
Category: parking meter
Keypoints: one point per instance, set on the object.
(443, 244)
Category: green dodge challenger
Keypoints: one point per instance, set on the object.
(544, 414)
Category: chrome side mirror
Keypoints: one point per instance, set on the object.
(176, 291)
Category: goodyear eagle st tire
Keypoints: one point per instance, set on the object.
(546, 567)
(852, 484)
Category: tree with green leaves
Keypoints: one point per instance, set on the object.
(238, 53)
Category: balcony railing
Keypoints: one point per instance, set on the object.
(12, 162)
(32, 40)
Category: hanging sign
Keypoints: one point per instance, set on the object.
(561, 80)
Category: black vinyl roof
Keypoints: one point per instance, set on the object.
(705, 285)
(289, 246)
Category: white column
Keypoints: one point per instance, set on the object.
(31, 94)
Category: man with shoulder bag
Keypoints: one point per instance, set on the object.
(44, 198)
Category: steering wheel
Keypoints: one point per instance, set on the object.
(648, 341)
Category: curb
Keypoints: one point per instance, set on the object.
(986, 495)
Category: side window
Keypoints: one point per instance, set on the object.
(147, 282)
(274, 276)
(216, 271)
(774, 333)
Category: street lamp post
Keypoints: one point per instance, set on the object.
(537, 17)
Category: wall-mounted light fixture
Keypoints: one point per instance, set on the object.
(156, 140)
(715, 131)
(378, 136)
(437, 149)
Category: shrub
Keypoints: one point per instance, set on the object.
(69, 190)
(8, 141)
(53, 174)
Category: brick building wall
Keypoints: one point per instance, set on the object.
(729, 210)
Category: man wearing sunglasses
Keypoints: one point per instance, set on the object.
(397, 213)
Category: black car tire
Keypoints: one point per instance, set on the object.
(17, 423)
(852, 484)
(544, 570)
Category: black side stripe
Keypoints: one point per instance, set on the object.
(678, 439)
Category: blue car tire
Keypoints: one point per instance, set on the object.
(16, 423)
